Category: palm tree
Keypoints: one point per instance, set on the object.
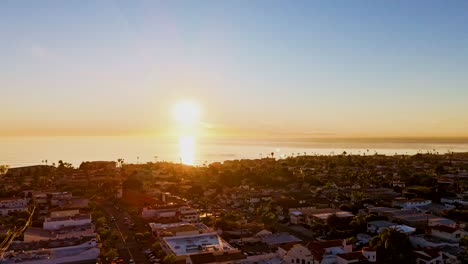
(393, 245)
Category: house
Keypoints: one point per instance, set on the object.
(428, 241)
(274, 240)
(404, 203)
(428, 256)
(11, 205)
(316, 252)
(351, 257)
(422, 220)
(370, 254)
(448, 233)
(452, 200)
(376, 227)
(309, 216)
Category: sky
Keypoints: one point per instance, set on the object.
(265, 68)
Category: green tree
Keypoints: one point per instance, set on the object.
(169, 259)
(139, 237)
(393, 246)
(156, 246)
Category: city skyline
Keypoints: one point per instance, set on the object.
(269, 68)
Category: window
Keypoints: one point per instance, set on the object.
(297, 260)
(303, 261)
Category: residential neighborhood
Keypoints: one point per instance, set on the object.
(304, 210)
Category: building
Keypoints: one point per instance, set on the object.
(274, 240)
(177, 229)
(376, 227)
(419, 220)
(12, 205)
(428, 241)
(184, 214)
(64, 221)
(309, 216)
(74, 250)
(184, 246)
(39, 234)
(448, 233)
(315, 252)
(413, 203)
(428, 256)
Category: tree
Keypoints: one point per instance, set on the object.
(139, 237)
(133, 183)
(3, 169)
(156, 246)
(345, 207)
(169, 259)
(393, 246)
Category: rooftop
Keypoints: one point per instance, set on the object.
(381, 223)
(279, 238)
(446, 229)
(194, 244)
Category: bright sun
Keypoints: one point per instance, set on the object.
(187, 113)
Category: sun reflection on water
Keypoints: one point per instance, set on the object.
(187, 149)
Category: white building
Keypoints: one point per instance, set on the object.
(188, 215)
(316, 252)
(60, 222)
(448, 233)
(182, 246)
(10, 205)
(185, 214)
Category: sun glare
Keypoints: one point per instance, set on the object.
(187, 149)
(187, 113)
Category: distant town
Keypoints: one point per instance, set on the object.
(303, 209)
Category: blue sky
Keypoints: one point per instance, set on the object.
(343, 68)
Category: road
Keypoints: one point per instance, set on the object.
(127, 247)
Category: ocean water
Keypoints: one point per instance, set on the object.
(22, 151)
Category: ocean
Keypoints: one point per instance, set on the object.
(24, 151)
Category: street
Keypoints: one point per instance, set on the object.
(127, 247)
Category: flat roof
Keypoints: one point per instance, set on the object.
(381, 223)
(195, 244)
